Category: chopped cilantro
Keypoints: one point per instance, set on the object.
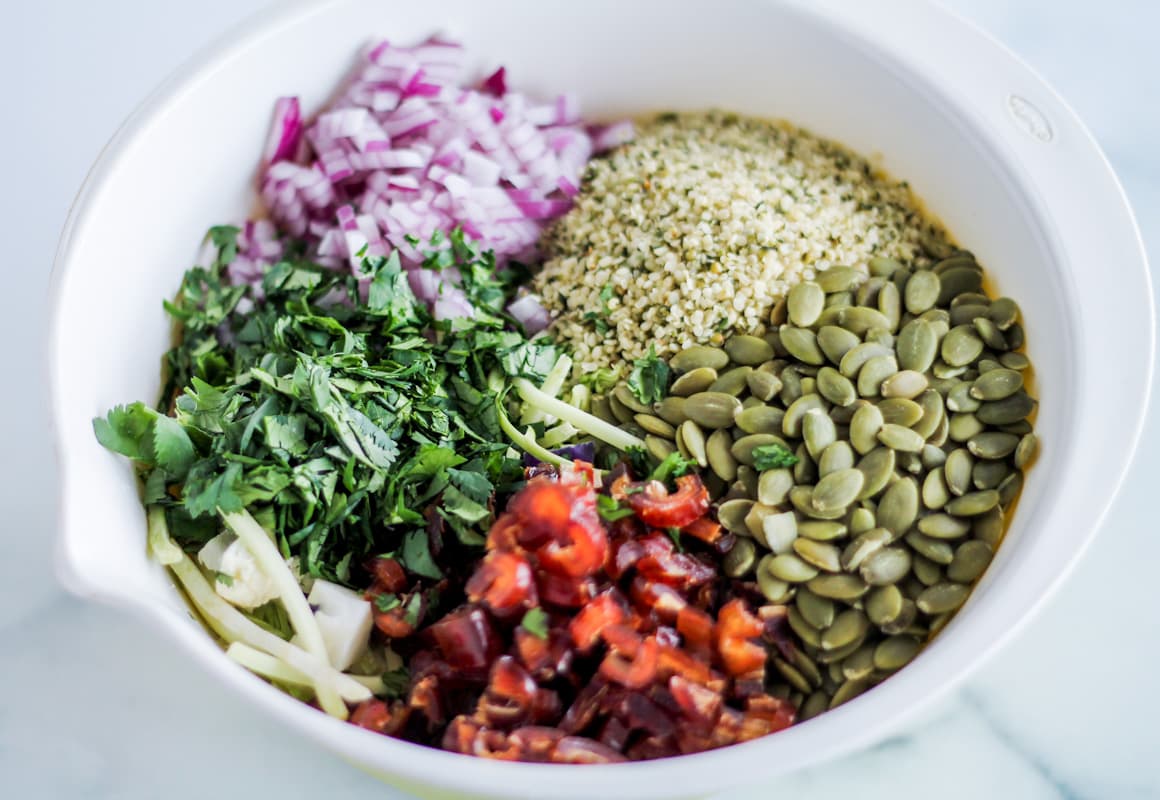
(610, 510)
(674, 466)
(336, 413)
(386, 601)
(535, 622)
(649, 378)
(675, 535)
(396, 682)
(772, 456)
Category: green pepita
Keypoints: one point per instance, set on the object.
(748, 350)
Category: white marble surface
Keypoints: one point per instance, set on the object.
(95, 706)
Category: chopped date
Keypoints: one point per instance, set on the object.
(639, 659)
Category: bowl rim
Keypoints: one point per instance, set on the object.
(698, 773)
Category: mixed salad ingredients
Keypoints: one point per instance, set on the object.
(451, 447)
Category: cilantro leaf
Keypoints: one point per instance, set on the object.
(535, 622)
(674, 466)
(386, 601)
(396, 682)
(610, 510)
(649, 379)
(772, 456)
(417, 555)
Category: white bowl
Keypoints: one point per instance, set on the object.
(992, 151)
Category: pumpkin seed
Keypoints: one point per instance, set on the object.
(825, 557)
(933, 457)
(860, 664)
(733, 381)
(900, 411)
(890, 304)
(748, 350)
(818, 432)
(861, 519)
(833, 659)
(838, 279)
(989, 332)
(993, 445)
(1026, 450)
(792, 675)
(805, 471)
(697, 356)
(780, 531)
(778, 314)
(927, 572)
(760, 419)
(772, 589)
(693, 381)
(817, 611)
(904, 620)
(958, 280)
(922, 291)
(933, 415)
(917, 345)
(717, 452)
(838, 586)
(884, 604)
(945, 526)
(1014, 361)
(961, 346)
(773, 486)
(971, 559)
(1008, 410)
(804, 303)
(731, 514)
(972, 504)
(964, 426)
(690, 434)
(655, 426)
(849, 626)
(864, 428)
(602, 408)
(881, 336)
(1020, 428)
(855, 358)
(988, 527)
(883, 267)
(877, 468)
(967, 313)
(1004, 312)
(815, 704)
(836, 387)
(936, 550)
(961, 398)
(1010, 487)
(837, 456)
(874, 374)
(671, 410)
(866, 545)
(888, 565)
(848, 691)
(740, 559)
(896, 652)
(989, 474)
(712, 409)
(821, 530)
(660, 448)
(957, 471)
(622, 414)
(755, 519)
(836, 342)
(900, 438)
(791, 424)
(941, 598)
(789, 567)
(837, 490)
(802, 344)
(763, 385)
(899, 506)
(935, 494)
(905, 384)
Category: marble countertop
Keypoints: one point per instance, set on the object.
(95, 706)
